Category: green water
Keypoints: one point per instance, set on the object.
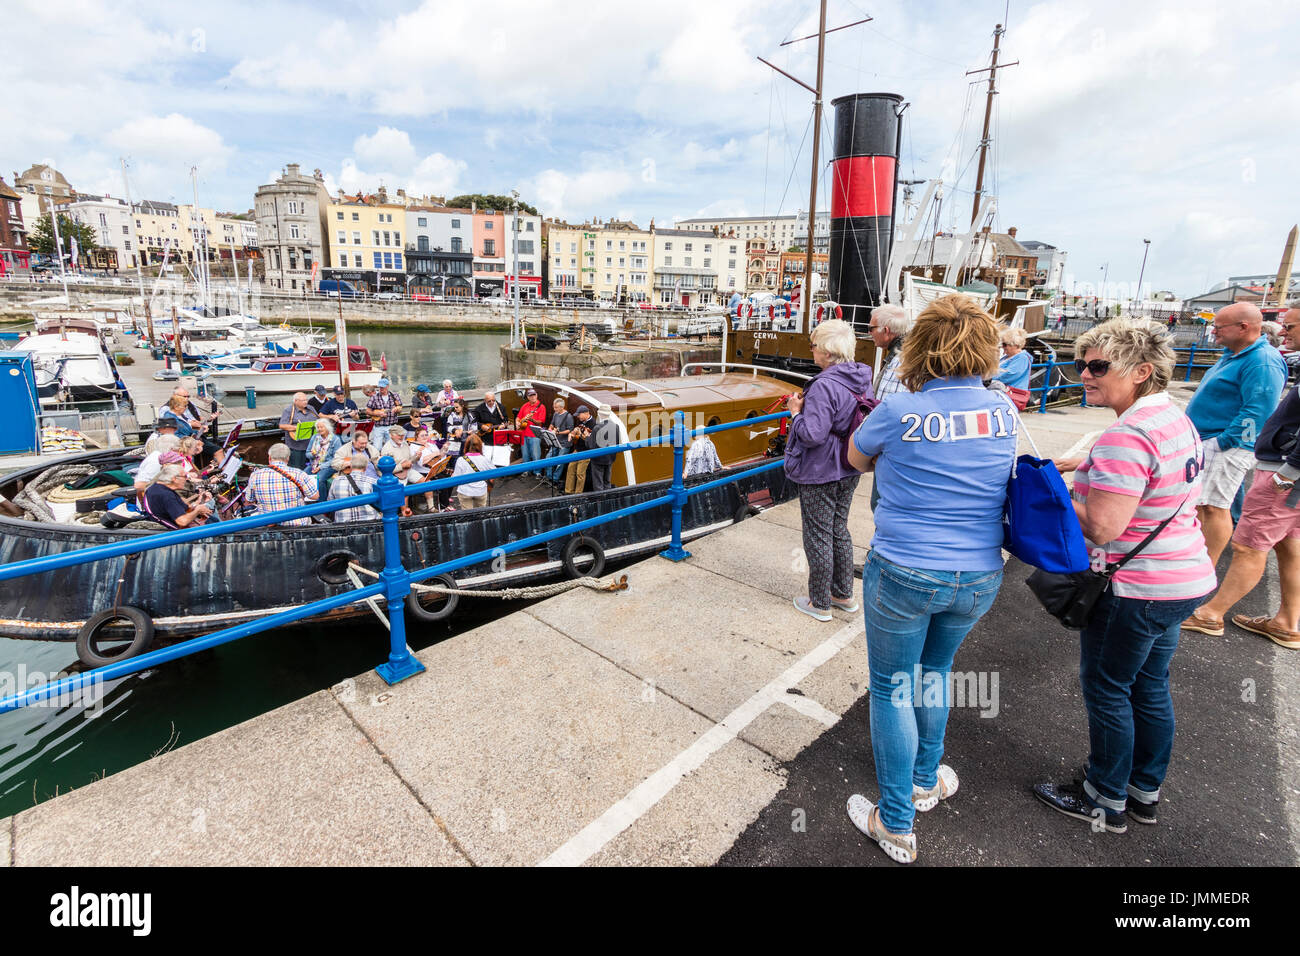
(46, 751)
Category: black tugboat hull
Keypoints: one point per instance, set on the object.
(230, 579)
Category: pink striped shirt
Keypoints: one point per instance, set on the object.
(1152, 453)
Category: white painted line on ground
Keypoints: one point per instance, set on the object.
(810, 708)
(593, 837)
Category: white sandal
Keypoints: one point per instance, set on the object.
(899, 847)
(925, 800)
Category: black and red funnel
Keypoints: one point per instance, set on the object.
(864, 170)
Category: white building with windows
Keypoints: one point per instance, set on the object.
(528, 248)
(290, 216)
(782, 232)
(110, 219)
(686, 266)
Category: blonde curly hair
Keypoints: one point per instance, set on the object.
(1130, 343)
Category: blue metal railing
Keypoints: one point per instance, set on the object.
(395, 581)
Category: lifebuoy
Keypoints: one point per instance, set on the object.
(569, 557)
(87, 637)
(440, 612)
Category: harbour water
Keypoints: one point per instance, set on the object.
(49, 750)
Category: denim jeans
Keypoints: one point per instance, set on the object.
(532, 449)
(916, 619)
(323, 480)
(555, 451)
(1124, 673)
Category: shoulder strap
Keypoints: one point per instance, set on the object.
(353, 482)
(1116, 565)
(467, 461)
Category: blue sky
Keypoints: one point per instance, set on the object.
(1168, 121)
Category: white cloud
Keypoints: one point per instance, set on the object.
(582, 194)
(388, 157)
(173, 138)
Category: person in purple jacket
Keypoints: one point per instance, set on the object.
(820, 420)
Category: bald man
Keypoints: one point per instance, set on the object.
(1231, 405)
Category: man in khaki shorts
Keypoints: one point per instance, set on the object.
(1270, 520)
(1234, 399)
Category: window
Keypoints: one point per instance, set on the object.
(609, 260)
(668, 260)
(487, 224)
(688, 247)
(668, 247)
(421, 221)
(293, 207)
(339, 214)
(528, 226)
(455, 224)
(573, 247)
(356, 238)
(706, 263)
(456, 244)
(733, 250)
(688, 261)
(126, 231)
(386, 234)
(608, 278)
(621, 245)
(423, 243)
(343, 238)
(126, 244)
(525, 267)
(621, 262)
(379, 260)
(731, 263)
(397, 237)
(609, 244)
(356, 217)
(293, 231)
(375, 234)
(359, 261)
(489, 247)
(708, 247)
(524, 247)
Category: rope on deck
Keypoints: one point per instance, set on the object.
(512, 594)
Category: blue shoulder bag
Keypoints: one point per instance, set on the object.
(1039, 523)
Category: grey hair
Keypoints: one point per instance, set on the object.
(399, 430)
(329, 425)
(1273, 332)
(893, 318)
(278, 452)
(360, 461)
(168, 443)
(836, 338)
(1016, 337)
(168, 473)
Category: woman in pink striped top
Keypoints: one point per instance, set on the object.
(1143, 469)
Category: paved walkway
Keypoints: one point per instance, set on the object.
(694, 718)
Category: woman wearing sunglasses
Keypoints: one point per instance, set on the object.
(1142, 470)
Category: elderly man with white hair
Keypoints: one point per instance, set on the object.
(889, 326)
(1231, 405)
(162, 500)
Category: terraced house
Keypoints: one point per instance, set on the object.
(364, 244)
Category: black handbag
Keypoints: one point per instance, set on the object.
(1070, 598)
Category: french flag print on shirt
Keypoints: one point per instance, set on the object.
(978, 424)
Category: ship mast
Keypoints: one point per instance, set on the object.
(992, 71)
(817, 127)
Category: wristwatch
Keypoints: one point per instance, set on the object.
(1281, 483)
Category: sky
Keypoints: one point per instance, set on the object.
(1170, 121)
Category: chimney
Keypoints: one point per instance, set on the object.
(383, 193)
(473, 206)
(292, 170)
(1012, 232)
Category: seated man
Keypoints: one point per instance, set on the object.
(360, 445)
(350, 480)
(148, 471)
(278, 486)
(162, 500)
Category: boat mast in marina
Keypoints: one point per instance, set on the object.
(992, 71)
(139, 254)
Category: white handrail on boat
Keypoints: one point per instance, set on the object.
(756, 369)
(625, 381)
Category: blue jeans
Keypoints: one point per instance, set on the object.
(916, 619)
(298, 458)
(323, 480)
(532, 449)
(1124, 673)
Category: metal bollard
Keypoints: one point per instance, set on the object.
(677, 491)
(401, 663)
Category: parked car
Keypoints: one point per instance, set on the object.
(336, 288)
(389, 296)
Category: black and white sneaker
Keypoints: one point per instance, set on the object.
(1142, 812)
(1070, 799)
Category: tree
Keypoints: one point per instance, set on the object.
(498, 203)
(41, 239)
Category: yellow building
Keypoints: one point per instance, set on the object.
(362, 235)
(157, 224)
(612, 260)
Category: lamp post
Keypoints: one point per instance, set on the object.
(515, 331)
(1146, 247)
(1105, 271)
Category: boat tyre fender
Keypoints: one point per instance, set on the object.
(88, 636)
(443, 609)
(744, 511)
(570, 555)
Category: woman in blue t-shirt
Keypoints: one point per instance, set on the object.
(1013, 367)
(944, 450)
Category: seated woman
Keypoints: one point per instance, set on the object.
(176, 410)
(147, 473)
(162, 500)
(1014, 365)
(428, 462)
(320, 454)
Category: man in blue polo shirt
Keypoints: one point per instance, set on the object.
(1231, 405)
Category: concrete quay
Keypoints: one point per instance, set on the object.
(695, 718)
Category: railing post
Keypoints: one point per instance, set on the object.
(401, 663)
(1047, 374)
(677, 492)
(1191, 357)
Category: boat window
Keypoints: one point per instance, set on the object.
(715, 420)
(309, 366)
(275, 367)
(752, 414)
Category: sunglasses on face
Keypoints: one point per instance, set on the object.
(1096, 368)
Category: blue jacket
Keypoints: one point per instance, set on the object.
(1277, 439)
(1238, 394)
(817, 434)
